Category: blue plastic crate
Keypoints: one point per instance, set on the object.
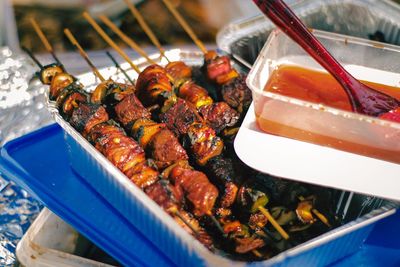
(39, 162)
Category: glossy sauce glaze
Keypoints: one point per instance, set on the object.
(319, 127)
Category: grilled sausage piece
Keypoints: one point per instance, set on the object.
(153, 85)
(179, 71)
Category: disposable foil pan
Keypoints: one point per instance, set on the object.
(369, 19)
(361, 212)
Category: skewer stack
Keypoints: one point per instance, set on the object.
(183, 191)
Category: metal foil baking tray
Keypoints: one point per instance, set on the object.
(357, 211)
(370, 19)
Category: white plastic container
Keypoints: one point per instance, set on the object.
(51, 242)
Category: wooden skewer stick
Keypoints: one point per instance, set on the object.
(83, 54)
(216, 222)
(30, 54)
(185, 26)
(274, 223)
(146, 28)
(110, 42)
(119, 67)
(256, 253)
(321, 217)
(125, 38)
(176, 212)
(44, 40)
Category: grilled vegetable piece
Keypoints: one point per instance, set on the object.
(59, 82)
(86, 116)
(153, 85)
(143, 130)
(100, 92)
(110, 92)
(244, 242)
(47, 73)
(251, 195)
(196, 187)
(179, 117)
(70, 98)
(219, 115)
(236, 94)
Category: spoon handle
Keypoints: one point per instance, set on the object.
(287, 21)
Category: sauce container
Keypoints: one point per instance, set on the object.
(351, 150)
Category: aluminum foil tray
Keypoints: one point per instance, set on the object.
(370, 19)
(360, 212)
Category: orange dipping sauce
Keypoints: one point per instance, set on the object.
(318, 126)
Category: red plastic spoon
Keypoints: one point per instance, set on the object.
(363, 99)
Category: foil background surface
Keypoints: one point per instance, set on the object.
(22, 110)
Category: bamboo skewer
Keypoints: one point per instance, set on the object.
(30, 54)
(143, 24)
(83, 54)
(125, 38)
(97, 73)
(274, 223)
(44, 40)
(119, 67)
(108, 40)
(185, 26)
(266, 213)
(321, 217)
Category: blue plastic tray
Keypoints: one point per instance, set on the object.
(38, 162)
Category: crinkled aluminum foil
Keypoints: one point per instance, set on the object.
(22, 110)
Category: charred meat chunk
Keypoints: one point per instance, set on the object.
(197, 188)
(221, 172)
(179, 117)
(130, 109)
(86, 116)
(237, 94)
(219, 115)
(165, 149)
